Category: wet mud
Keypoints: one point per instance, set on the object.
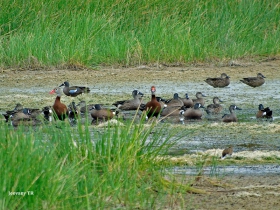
(108, 84)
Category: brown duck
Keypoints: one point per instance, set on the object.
(131, 104)
(231, 117)
(219, 82)
(254, 81)
(188, 102)
(175, 101)
(194, 113)
(227, 152)
(100, 114)
(199, 98)
(214, 108)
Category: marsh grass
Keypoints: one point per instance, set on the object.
(85, 167)
(83, 33)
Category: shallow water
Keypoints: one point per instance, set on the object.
(230, 170)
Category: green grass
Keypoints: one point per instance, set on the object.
(85, 167)
(124, 32)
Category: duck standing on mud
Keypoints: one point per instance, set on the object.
(254, 81)
(219, 82)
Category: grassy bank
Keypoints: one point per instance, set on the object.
(128, 32)
(63, 167)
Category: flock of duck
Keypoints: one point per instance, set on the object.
(177, 108)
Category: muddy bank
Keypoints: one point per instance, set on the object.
(31, 88)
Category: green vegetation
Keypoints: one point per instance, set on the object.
(83, 167)
(125, 32)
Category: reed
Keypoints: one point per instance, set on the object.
(125, 32)
(84, 167)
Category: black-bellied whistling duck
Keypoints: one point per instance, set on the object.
(131, 104)
(199, 98)
(194, 113)
(153, 107)
(231, 117)
(59, 108)
(214, 108)
(100, 114)
(73, 91)
(254, 81)
(219, 82)
(264, 112)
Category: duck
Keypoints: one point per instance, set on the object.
(83, 107)
(132, 104)
(175, 101)
(73, 91)
(219, 82)
(214, 108)
(176, 117)
(188, 102)
(32, 112)
(162, 101)
(194, 112)
(59, 108)
(170, 111)
(254, 81)
(21, 118)
(153, 107)
(264, 112)
(231, 117)
(10, 113)
(227, 152)
(100, 114)
(199, 98)
(47, 113)
(72, 111)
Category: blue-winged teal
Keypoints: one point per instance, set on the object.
(219, 82)
(254, 81)
(161, 101)
(100, 114)
(194, 113)
(59, 108)
(10, 113)
(170, 111)
(153, 107)
(175, 101)
(176, 117)
(227, 152)
(187, 101)
(21, 118)
(264, 112)
(84, 107)
(19, 108)
(131, 104)
(72, 111)
(214, 108)
(199, 98)
(231, 117)
(47, 112)
(73, 91)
